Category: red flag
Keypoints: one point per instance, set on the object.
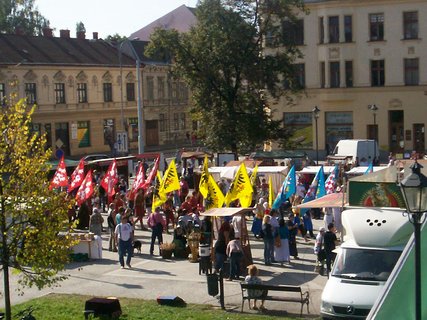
(152, 175)
(86, 189)
(110, 179)
(60, 179)
(77, 176)
(140, 180)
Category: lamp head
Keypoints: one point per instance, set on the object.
(414, 189)
(316, 112)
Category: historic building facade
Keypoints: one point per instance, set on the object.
(364, 66)
(85, 94)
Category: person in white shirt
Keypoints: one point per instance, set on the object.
(124, 238)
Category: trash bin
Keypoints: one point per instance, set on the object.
(212, 280)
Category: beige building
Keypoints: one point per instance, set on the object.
(86, 96)
(364, 67)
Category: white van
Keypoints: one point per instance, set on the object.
(373, 238)
(360, 148)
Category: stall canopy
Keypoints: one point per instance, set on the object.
(362, 170)
(332, 200)
(225, 212)
(315, 169)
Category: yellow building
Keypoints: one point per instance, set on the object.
(86, 95)
(364, 67)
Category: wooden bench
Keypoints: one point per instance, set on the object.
(299, 296)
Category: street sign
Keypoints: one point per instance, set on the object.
(122, 141)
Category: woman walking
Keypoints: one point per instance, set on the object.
(281, 254)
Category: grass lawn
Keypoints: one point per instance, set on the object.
(70, 307)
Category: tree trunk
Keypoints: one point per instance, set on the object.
(5, 256)
(6, 291)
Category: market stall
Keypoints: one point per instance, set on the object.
(218, 216)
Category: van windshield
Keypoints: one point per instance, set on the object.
(365, 264)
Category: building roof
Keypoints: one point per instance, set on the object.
(180, 19)
(61, 51)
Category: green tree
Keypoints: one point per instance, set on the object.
(33, 220)
(21, 14)
(80, 27)
(230, 72)
(115, 38)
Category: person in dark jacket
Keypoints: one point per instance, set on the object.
(268, 236)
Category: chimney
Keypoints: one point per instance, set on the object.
(95, 35)
(47, 32)
(81, 35)
(64, 33)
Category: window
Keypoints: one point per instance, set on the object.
(108, 92)
(109, 132)
(322, 74)
(334, 69)
(411, 72)
(59, 93)
(133, 129)
(410, 25)
(300, 74)
(150, 88)
(348, 28)
(321, 30)
(174, 90)
(376, 26)
(349, 74)
(182, 121)
(2, 94)
(83, 134)
(334, 29)
(162, 122)
(293, 32)
(161, 87)
(130, 91)
(176, 121)
(30, 93)
(81, 92)
(377, 73)
(183, 91)
(339, 126)
(299, 125)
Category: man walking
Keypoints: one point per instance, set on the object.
(329, 243)
(124, 238)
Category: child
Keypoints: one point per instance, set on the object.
(252, 278)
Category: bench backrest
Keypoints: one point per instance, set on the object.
(287, 288)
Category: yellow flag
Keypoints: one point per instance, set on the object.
(170, 180)
(241, 188)
(270, 192)
(158, 197)
(214, 197)
(254, 176)
(204, 179)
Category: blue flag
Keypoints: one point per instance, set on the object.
(288, 188)
(370, 168)
(321, 189)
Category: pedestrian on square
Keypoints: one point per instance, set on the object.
(281, 253)
(268, 236)
(96, 220)
(293, 230)
(140, 208)
(111, 220)
(157, 223)
(329, 244)
(234, 252)
(124, 237)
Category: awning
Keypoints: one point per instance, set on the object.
(224, 212)
(332, 200)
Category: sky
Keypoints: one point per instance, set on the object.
(107, 17)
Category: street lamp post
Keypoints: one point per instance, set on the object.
(140, 105)
(374, 110)
(316, 114)
(414, 191)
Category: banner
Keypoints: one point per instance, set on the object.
(86, 189)
(241, 187)
(60, 179)
(77, 176)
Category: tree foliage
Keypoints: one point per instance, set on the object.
(80, 27)
(115, 38)
(32, 216)
(21, 14)
(231, 76)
